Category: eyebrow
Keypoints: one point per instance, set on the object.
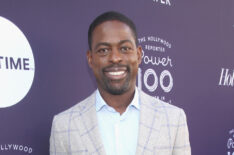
(101, 44)
(124, 41)
(108, 44)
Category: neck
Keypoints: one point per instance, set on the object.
(118, 102)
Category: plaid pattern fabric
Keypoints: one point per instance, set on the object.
(162, 130)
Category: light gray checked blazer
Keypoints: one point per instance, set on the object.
(162, 130)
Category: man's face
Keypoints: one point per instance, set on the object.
(114, 57)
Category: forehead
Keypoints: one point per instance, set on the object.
(112, 31)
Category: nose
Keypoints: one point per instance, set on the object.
(115, 56)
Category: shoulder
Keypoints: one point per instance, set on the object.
(160, 106)
(75, 111)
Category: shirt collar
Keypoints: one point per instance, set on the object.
(100, 103)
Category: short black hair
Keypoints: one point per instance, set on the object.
(110, 16)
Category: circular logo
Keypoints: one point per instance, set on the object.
(16, 64)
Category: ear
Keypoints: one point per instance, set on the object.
(89, 58)
(139, 54)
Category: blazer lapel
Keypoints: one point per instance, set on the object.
(87, 125)
(149, 125)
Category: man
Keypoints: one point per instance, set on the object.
(118, 119)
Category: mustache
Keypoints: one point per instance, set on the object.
(116, 66)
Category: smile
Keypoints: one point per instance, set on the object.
(116, 73)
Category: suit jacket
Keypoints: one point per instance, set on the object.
(162, 129)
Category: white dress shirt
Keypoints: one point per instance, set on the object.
(119, 133)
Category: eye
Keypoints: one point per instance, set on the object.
(103, 51)
(125, 49)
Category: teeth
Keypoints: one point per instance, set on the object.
(116, 73)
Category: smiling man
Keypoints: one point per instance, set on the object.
(118, 119)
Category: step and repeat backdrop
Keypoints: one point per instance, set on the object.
(188, 61)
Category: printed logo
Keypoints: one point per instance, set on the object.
(16, 64)
(154, 75)
(16, 147)
(226, 77)
(230, 143)
(163, 2)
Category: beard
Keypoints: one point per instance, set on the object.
(116, 90)
(107, 85)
